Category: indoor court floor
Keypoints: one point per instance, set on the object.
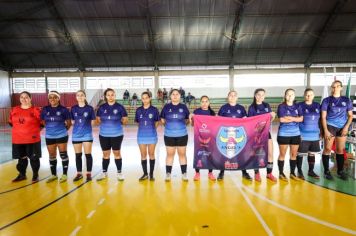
(231, 207)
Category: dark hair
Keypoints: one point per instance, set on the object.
(308, 90)
(26, 92)
(82, 91)
(172, 90)
(337, 81)
(55, 91)
(212, 112)
(254, 103)
(285, 93)
(106, 91)
(148, 94)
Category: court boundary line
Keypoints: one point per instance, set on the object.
(46, 205)
(295, 212)
(24, 186)
(325, 187)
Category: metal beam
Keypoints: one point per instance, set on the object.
(151, 35)
(324, 31)
(235, 31)
(67, 36)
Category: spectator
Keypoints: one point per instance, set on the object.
(189, 99)
(165, 95)
(134, 100)
(149, 92)
(160, 95)
(182, 94)
(126, 95)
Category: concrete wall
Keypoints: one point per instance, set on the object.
(5, 100)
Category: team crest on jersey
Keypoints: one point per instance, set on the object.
(238, 111)
(150, 116)
(230, 141)
(115, 111)
(288, 113)
(266, 109)
(317, 110)
(306, 111)
(85, 114)
(58, 113)
(180, 110)
(141, 116)
(343, 104)
(170, 110)
(75, 114)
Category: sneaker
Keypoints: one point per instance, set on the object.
(301, 176)
(342, 175)
(258, 177)
(283, 177)
(63, 179)
(328, 175)
(143, 177)
(52, 178)
(211, 176)
(294, 177)
(184, 177)
(168, 177)
(89, 178)
(246, 176)
(19, 178)
(220, 176)
(78, 177)
(35, 178)
(102, 176)
(120, 177)
(313, 175)
(271, 177)
(197, 176)
(152, 178)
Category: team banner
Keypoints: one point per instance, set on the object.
(231, 143)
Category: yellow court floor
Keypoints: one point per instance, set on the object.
(231, 207)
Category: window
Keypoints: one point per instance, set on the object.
(321, 79)
(269, 80)
(64, 84)
(119, 82)
(33, 85)
(194, 81)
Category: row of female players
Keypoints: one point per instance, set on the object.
(298, 130)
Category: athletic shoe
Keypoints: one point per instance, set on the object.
(152, 178)
(283, 177)
(52, 178)
(197, 176)
(328, 175)
(301, 176)
(246, 176)
(35, 178)
(102, 176)
(63, 179)
(184, 177)
(78, 177)
(271, 177)
(220, 176)
(342, 175)
(120, 177)
(313, 175)
(294, 177)
(143, 177)
(258, 177)
(168, 177)
(211, 176)
(19, 178)
(89, 178)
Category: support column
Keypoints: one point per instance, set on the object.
(82, 82)
(231, 78)
(308, 77)
(155, 82)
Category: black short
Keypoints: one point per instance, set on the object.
(309, 146)
(31, 150)
(108, 143)
(269, 135)
(293, 140)
(50, 141)
(334, 131)
(176, 141)
(86, 141)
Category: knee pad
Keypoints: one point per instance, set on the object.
(64, 156)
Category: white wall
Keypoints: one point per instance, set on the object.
(4, 90)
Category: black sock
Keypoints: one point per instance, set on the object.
(118, 163)
(222, 172)
(35, 165)
(53, 165)
(168, 169)
(210, 170)
(183, 168)
(22, 166)
(152, 166)
(326, 163)
(106, 163)
(292, 165)
(65, 162)
(280, 166)
(269, 167)
(299, 163)
(144, 166)
(78, 161)
(340, 162)
(311, 162)
(257, 171)
(244, 172)
(197, 170)
(89, 160)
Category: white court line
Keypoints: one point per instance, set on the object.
(101, 201)
(258, 215)
(75, 231)
(302, 215)
(90, 214)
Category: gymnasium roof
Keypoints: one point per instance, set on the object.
(87, 34)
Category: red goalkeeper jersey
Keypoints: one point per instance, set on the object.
(25, 125)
